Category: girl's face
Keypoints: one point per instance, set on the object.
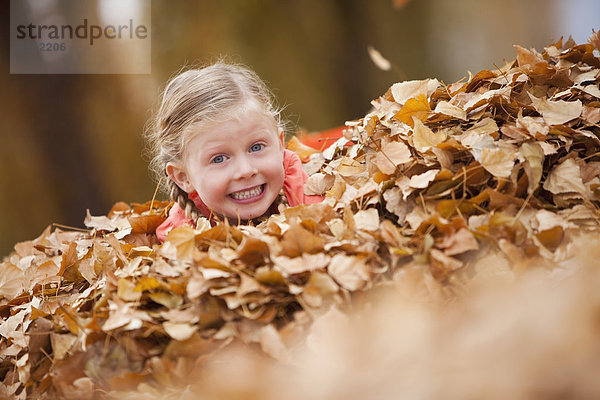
(235, 166)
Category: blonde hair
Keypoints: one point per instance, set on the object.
(196, 98)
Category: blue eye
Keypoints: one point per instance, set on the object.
(218, 159)
(256, 147)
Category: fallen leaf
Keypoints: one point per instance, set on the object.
(444, 107)
(497, 162)
(297, 240)
(423, 180)
(565, 178)
(350, 272)
(178, 330)
(557, 112)
(534, 156)
(404, 91)
(424, 138)
(391, 155)
(458, 243)
(417, 107)
(367, 220)
(318, 183)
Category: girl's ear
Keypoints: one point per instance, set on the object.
(179, 176)
(281, 139)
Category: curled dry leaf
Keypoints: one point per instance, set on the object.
(318, 183)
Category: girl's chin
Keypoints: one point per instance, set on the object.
(245, 215)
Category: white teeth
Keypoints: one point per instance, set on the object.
(246, 194)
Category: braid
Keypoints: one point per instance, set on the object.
(179, 196)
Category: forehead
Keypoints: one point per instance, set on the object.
(249, 125)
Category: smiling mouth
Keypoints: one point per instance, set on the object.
(248, 193)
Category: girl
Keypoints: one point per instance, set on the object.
(219, 140)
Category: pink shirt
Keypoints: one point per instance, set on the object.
(293, 187)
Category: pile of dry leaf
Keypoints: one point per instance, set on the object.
(431, 182)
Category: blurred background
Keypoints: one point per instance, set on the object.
(74, 142)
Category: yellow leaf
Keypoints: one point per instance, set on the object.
(459, 242)
(270, 277)
(145, 223)
(12, 281)
(303, 151)
(147, 283)
(167, 299)
(528, 57)
(61, 344)
(536, 126)
(417, 107)
(486, 126)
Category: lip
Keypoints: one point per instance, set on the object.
(250, 199)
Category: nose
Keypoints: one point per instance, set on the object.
(245, 168)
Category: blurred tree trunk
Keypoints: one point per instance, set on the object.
(59, 170)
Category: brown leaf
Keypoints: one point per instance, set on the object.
(297, 240)
(145, 223)
(253, 251)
